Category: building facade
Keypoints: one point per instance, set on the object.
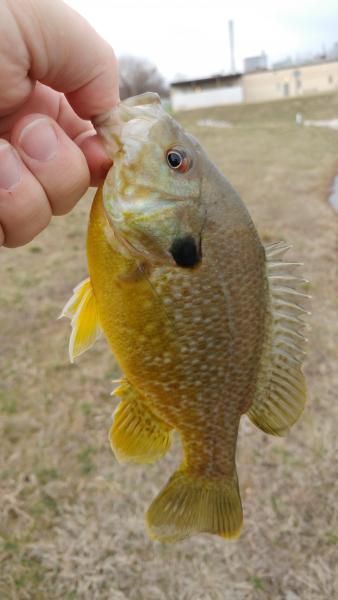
(288, 82)
(257, 86)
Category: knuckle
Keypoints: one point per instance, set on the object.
(74, 182)
(27, 219)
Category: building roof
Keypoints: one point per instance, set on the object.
(295, 66)
(206, 80)
(232, 77)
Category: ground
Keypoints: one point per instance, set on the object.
(71, 523)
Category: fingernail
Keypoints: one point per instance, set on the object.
(38, 140)
(10, 167)
(84, 136)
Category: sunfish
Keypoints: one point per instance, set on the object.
(205, 322)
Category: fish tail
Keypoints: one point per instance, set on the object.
(191, 504)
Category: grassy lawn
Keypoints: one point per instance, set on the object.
(71, 518)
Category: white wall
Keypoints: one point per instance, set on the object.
(223, 95)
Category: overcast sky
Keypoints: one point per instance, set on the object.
(190, 37)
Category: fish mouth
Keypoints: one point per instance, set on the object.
(145, 108)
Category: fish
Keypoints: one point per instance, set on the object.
(205, 322)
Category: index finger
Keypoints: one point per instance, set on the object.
(55, 45)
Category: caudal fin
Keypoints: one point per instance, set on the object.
(189, 505)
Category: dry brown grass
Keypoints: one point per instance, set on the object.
(71, 517)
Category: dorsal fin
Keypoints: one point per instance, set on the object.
(82, 310)
(281, 389)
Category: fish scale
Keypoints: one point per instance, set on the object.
(205, 323)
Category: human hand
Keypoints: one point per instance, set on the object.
(55, 74)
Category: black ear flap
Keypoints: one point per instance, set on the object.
(186, 252)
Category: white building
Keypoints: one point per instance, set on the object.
(212, 91)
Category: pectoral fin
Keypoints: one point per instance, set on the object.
(137, 435)
(81, 308)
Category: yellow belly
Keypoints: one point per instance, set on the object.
(131, 313)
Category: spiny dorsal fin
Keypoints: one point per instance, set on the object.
(281, 389)
(82, 310)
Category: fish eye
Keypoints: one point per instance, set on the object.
(178, 160)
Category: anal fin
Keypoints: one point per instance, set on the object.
(137, 435)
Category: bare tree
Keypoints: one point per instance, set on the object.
(138, 75)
